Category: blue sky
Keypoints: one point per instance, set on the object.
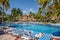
(25, 5)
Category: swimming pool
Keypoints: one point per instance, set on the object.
(36, 27)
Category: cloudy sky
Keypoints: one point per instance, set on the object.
(25, 5)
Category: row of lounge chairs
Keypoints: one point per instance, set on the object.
(26, 35)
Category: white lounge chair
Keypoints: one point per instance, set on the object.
(15, 34)
(55, 37)
(24, 37)
(39, 35)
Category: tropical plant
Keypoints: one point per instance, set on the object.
(52, 10)
(5, 6)
(9, 18)
(16, 13)
(31, 14)
(44, 3)
(55, 9)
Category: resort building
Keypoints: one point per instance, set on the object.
(27, 18)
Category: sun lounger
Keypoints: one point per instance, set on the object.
(39, 35)
(10, 31)
(15, 34)
(33, 34)
(28, 33)
(24, 37)
(2, 32)
(55, 38)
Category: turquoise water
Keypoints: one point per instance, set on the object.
(47, 29)
(37, 27)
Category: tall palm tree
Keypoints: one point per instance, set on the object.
(5, 6)
(15, 13)
(55, 8)
(31, 14)
(44, 3)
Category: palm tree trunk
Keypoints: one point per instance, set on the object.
(3, 15)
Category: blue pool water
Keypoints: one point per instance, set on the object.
(37, 27)
(47, 29)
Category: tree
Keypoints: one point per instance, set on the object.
(5, 6)
(43, 3)
(31, 14)
(9, 18)
(19, 12)
(39, 12)
(55, 9)
(16, 12)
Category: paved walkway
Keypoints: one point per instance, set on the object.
(6, 37)
(10, 37)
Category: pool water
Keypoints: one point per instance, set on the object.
(37, 27)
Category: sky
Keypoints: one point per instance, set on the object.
(25, 5)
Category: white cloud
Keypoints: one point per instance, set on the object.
(24, 11)
(32, 10)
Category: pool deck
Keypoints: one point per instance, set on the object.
(7, 37)
(10, 37)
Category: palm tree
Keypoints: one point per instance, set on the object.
(16, 13)
(55, 9)
(39, 12)
(44, 3)
(5, 6)
(31, 14)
